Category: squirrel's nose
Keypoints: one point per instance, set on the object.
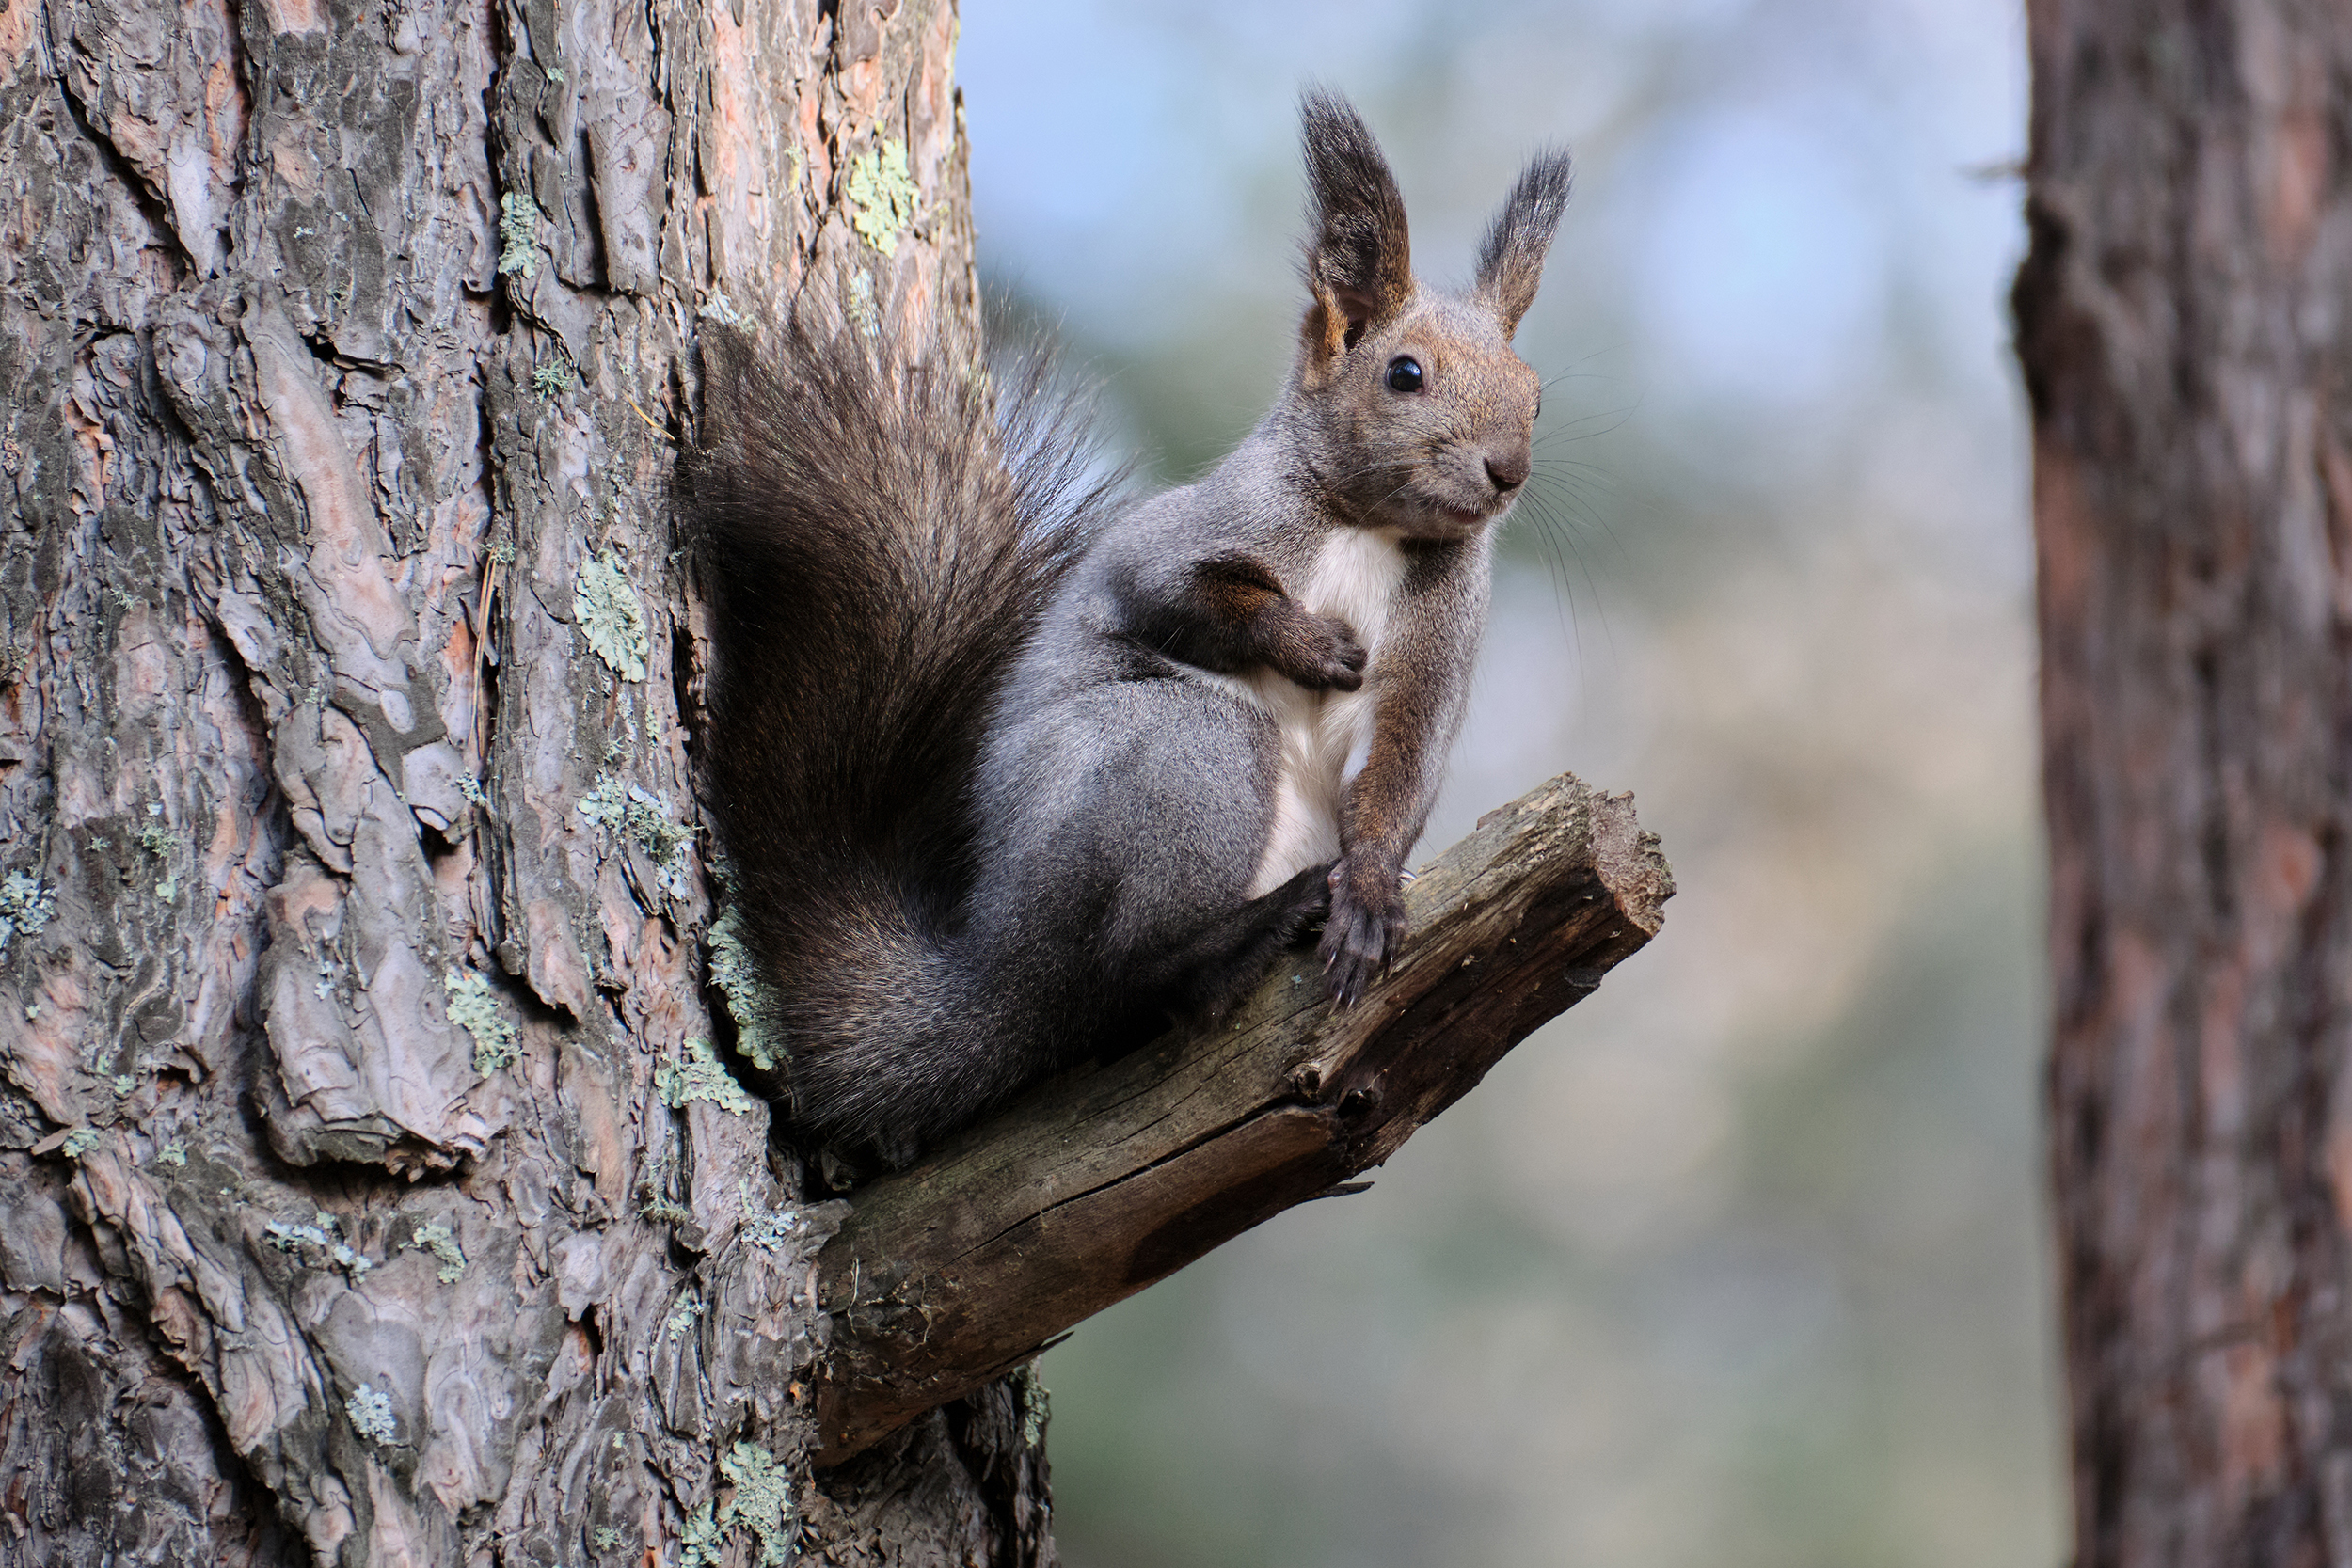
(1508, 473)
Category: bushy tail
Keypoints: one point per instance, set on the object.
(881, 531)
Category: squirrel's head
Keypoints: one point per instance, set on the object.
(1420, 415)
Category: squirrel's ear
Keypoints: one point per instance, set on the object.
(1360, 263)
(1511, 261)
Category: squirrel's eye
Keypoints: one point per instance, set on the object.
(1404, 374)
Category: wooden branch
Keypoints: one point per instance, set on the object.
(950, 1273)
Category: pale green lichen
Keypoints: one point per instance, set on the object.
(608, 1538)
(370, 1415)
(474, 1008)
(172, 1153)
(620, 807)
(155, 838)
(518, 234)
(610, 615)
(81, 1141)
(761, 1503)
(701, 1076)
(773, 1231)
(731, 971)
(322, 1233)
(24, 907)
(438, 1240)
(700, 1539)
(882, 195)
(1037, 1406)
(551, 378)
(125, 1086)
(662, 1212)
(470, 787)
(685, 1315)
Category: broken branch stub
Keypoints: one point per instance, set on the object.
(1105, 1180)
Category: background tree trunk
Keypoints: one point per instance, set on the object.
(369, 1192)
(2183, 319)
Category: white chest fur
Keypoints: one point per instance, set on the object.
(1326, 735)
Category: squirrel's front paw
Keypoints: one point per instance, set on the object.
(1363, 932)
(1322, 653)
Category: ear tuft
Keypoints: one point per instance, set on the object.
(1511, 261)
(1358, 259)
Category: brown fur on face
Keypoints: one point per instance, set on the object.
(1443, 460)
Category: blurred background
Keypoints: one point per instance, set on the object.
(1744, 1261)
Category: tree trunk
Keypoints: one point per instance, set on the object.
(371, 1194)
(2183, 324)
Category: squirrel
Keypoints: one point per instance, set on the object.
(1010, 769)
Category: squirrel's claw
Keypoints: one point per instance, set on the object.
(1359, 938)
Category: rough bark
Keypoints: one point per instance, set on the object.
(363, 1194)
(2184, 327)
(943, 1277)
